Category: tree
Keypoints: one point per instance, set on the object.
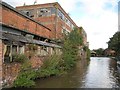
(99, 52)
(114, 43)
(70, 48)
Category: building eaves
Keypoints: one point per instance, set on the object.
(13, 9)
(21, 38)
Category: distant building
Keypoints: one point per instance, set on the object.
(109, 52)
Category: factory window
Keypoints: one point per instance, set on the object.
(29, 13)
(44, 12)
(67, 21)
(60, 14)
(53, 10)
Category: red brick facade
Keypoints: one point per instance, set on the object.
(14, 19)
(48, 27)
(53, 20)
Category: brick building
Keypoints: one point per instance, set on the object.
(37, 25)
(17, 33)
(52, 16)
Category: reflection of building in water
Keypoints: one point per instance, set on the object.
(119, 15)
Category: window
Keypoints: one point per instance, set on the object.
(60, 14)
(53, 10)
(29, 13)
(44, 12)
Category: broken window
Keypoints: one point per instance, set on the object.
(44, 12)
(29, 13)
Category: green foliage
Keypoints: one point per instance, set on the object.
(22, 81)
(25, 79)
(114, 42)
(25, 66)
(88, 53)
(99, 52)
(26, 76)
(70, 48)
(75, 37)
(21, 58)
(47, 72)
(50, 66)
(51, 61)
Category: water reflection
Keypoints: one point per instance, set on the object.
(99, 73)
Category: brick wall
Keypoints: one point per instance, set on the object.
(11, 18)
(55, 24)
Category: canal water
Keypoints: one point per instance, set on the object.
(99, 72)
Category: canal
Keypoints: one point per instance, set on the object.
(99, 72)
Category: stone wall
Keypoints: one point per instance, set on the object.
(9, 73)
(11, 70)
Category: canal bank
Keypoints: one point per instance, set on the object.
(100, 72)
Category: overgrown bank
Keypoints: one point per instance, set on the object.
(53, 65)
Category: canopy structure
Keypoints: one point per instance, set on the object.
(21, 38)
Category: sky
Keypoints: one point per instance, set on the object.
(99, 18)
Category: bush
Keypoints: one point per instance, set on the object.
(26, 65)
(21, 58)
(50, 67)
(25, 79)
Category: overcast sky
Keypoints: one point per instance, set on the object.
(99, 18)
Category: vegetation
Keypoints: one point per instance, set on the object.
(99, 52)
(70, 48)
(87, 50)
(21, 58)
(25, 79)
(114, 43)
(26, 76)
(52, 65)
